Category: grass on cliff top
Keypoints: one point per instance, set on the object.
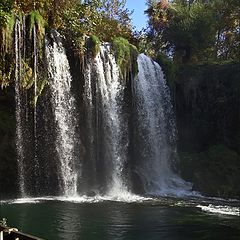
(126, 55)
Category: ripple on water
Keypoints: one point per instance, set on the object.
(218, 209)
(128, 198)
(205, 204)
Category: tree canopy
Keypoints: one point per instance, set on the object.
(188, 31)
(194, 31)
(104, 18)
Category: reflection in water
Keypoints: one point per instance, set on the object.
(107, 220)
(67, 223)
(119, 222)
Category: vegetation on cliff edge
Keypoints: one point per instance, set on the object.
(77, 21)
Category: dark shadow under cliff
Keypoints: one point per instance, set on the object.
(207, 105)
(8, 165)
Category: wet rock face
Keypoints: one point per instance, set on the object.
(207, 105)
(214, 172)
(8, 165)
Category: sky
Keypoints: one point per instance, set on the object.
(139, 19)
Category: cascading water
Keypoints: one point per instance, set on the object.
(35, 57)
(111, 89)
(26, 115)
(89, 177)
(63, 106)
(19, 108)
(116, 159)
(156, 131)
(110, 121)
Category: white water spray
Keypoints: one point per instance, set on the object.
(63, 105)
(18, 102)
(157, 131)
(104, 71)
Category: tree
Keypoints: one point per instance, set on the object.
(227, 14)
(196, 30)
(183, 28)
(106, 19)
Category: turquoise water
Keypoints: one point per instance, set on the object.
(108, 220)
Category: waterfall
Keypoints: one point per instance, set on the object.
(35, 57)
(19, 108)
(156, 131)
(115, 160)
(89, 177)
(28, 166)
(102, 80)
(63, 107)
(111, 89)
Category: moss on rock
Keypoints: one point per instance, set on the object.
(93, 45)
(126, 55)
(214, 172)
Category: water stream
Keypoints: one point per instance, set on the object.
(111, 90)
(107, 165)
(63, 106)
(19, 110)
(156, 131)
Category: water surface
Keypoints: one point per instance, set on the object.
(140, 220)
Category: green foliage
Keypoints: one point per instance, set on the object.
(133, 59)
(6, 50)
(26, 75)
(93, 45)
(41, 84)
(5, 11)
(6, 75)
(169, 68)
(78, 23)
(36, 19)
(227, 15)
(106, 19)
(190, 31)
(122, 50)
(6, 5)
(126, 55)
(116, 20)
(219, 164)
(194, 31)
(75, 20)
(6, 32)
(3, 18)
